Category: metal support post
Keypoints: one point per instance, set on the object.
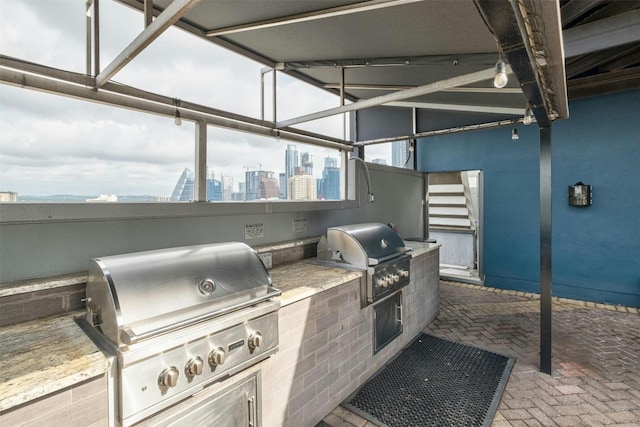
(200, 181)
(545, 251)
(96, 37)
(275, 104)
(89, 5)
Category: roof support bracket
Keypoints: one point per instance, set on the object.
(165, 20)
(541, 78)
(395, 96)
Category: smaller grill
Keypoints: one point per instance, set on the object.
(179, 319)
(372, 247)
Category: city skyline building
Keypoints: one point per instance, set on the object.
(8, 197)
(302, 186)
(183, 191)
(291, 161)
(306, 161)
(328, 187)
(282, 183)
(227, 187)
(261, 185)
(398, 153)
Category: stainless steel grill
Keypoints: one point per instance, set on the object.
(372, 247)
(179, 319)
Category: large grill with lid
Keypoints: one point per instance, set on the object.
(372, 247)
(179, 319)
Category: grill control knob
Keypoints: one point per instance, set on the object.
(194, 367)
(255, 340)
(381, 283)
(403, 273)
(395, 278)
(169, 377)
(217, 356)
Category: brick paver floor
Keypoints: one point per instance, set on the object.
(596, 357)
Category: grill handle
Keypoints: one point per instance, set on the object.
(129, 337)
(376, 261)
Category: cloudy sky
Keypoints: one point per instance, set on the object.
(57, 145)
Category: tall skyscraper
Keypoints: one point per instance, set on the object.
(282, 183)
(183, 191)
(291, 161)
(261, 185)
(306, 161)
(227, 187)
(302, 187)
(329, 184)
(398, 153)
(330, 162)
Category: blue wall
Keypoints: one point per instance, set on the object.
(596, 249)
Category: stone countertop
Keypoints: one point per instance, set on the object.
(44, 356)
(419, 248)
(47, 355)
(305, 278)
(300, 280)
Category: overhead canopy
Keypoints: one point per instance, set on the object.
(433, 55)
(428, 63)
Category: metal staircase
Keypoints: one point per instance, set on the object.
(450, 202)
(453, 223)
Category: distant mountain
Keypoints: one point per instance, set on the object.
(68, 198)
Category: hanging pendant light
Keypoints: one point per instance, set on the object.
(528, 117)
(500, 80)
(178, 117)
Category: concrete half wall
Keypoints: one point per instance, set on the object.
(47, 240)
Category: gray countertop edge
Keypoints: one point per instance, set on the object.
(44, 356)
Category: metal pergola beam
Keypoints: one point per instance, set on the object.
(309, 16)
(82, 79)
(576, 8)
(614, 81)
(623, 56)
(166, 19)
(394, 88)
(233, 47)
(480, 59)
(504, 24)
(393, 97)
(85, 92)
(602, 34)
(458, 107)
(427, 134)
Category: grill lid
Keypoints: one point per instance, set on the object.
(361, 245)
(135, 296)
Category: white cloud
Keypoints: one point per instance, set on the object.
(53, 145)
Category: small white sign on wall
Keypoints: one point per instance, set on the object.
(253, 231)
(299, 225)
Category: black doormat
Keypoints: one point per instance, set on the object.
(434, 382)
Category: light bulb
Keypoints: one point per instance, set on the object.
(514, 134)
(501, 79)
(178, 118)
(528, 117)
